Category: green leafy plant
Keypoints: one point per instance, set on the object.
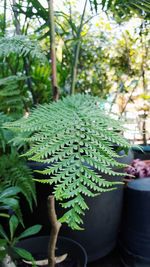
(9, 250)
(18, 88)
(14, 170)
(11, 214)
(75, 137)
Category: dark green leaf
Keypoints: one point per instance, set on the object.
(9, 192)
(24, 254)
(13, 224)
(30, 231)
(3, 233)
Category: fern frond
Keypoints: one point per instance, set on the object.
(14, 172)
(22, 46)
(5, 135)
(11, 96)
(76, 138)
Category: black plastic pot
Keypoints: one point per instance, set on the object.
(101, 221)
(39, 246)
(141, 152)
(135, 231)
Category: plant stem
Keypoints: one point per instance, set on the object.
(54, 231)
(76, 53)
(53, 51)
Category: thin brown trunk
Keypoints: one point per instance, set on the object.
(53, 51)
(55, 227)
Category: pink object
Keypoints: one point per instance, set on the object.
(139, 168)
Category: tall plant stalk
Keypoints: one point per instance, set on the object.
(143, 74)
(53, 51)
(4, 24)
(16, 21)
(26, 60)
(76, 52)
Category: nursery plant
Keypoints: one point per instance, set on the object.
(75, 138)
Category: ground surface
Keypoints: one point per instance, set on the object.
(111, 260)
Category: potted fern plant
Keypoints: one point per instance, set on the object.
(53, 250)
(74, 138)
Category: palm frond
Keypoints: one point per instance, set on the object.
(122, 9)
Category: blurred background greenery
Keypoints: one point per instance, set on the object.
(104, 44)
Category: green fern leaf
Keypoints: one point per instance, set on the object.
(76, 137)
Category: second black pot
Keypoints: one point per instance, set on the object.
(135, 230)
(141, 152)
